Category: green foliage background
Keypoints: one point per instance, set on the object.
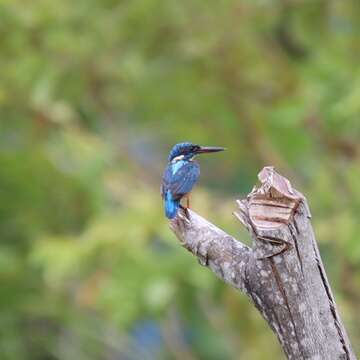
(93, 94)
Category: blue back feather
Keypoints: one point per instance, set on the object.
(171, 206)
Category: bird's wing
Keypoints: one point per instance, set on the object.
(182, 181)
(165, 180)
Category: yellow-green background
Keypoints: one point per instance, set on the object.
(93, 94)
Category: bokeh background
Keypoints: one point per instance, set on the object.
(93, 94)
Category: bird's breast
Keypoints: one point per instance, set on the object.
(176, 166)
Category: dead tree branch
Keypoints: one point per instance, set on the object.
(282, 273)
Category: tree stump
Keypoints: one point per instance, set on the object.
(282, 272)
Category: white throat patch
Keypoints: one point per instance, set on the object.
(177, 158)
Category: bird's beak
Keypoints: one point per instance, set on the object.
(209, 149)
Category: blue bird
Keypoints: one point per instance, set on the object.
(181, 174)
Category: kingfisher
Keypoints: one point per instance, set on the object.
(181, 174)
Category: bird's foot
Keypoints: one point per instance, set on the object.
(185, 215)
(185, 219)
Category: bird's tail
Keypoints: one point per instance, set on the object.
(171, 206)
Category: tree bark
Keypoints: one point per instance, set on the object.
(282, 272)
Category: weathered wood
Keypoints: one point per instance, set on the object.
(282, 273)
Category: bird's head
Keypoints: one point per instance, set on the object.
(187, 150)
